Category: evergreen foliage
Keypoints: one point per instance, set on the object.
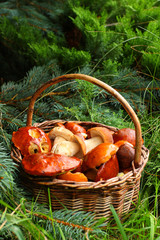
(115, 41)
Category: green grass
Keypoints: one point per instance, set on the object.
(133, 42)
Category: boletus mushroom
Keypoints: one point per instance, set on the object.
(100, 154)
(76, 129)
(69, 148)
(108, 169)
(61, 132)
(31, 140)
(126, 134)
(97, 135)
(102, 132)
(125, 155)
(48, 164)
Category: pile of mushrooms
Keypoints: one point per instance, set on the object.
(70, 152)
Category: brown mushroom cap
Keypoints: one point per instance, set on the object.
(108, 169)
(48, 164)
(102, 132)
(126, 134)
(91, 174)
(125, 155)
(100, 154)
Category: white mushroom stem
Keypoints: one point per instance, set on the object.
(58, 139)
(66, 148)
(93, 142)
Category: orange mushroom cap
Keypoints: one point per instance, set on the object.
(48, 164)
(77, 177)
(100, 154)
(121, 142)
(108, 170)
(30, 140)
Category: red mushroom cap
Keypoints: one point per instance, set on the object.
(48, 164)
(30, 140)
(108, 170)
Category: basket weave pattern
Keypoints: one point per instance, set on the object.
(121, 192)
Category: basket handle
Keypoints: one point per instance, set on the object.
(112, 91)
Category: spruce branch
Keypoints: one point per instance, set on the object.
(86, 229)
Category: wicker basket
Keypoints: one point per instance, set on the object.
(121, 192)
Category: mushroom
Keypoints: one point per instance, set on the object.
(58, 139)
(76, 177)
(75, 128)
(69, 148)
(97, 136)
(60, 124)
(91, 174)
(93, 142)
(125, 155)
(75, 145)
(121, 142)
(102, 132)
(126, 134)
(61, 132)
(30, 140)
(100, 154)
(108, 169)
(66, 148)
(48, 164)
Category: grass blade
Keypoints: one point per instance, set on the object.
(121, 229)
(152, 227)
